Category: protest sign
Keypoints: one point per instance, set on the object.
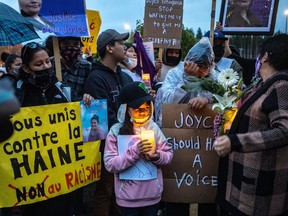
(163, 23)
(192, 175)
(142, 169)
(97, 111)
(94, 23)
(46, 156)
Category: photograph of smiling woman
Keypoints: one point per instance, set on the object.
(30, 10)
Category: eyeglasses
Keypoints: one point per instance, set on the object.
(32, 45)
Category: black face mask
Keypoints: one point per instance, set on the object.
(70, 52)
(41, 79)
(172, 60)
(218, 52)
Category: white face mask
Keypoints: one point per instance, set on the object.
(132, 63)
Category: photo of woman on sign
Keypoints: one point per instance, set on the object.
(240, 14)
(30, 9)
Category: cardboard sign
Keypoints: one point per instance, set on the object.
(46, 156)
(192, 175)
(163, 23)
(94, 22)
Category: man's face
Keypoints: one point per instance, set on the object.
(30, 7)
(118, 50)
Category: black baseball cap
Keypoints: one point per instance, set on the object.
(110, 35)
(135, 94)
(217, 35)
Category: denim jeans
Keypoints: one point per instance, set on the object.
(140, 211)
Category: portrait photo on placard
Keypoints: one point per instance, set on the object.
(94, 120)
(252, 17)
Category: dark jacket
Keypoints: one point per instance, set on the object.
(104, 83)
(252, 179)
(30, 95)
(248, 66)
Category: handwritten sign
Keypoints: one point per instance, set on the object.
(46, 156)
(94, 22)
(192, 175)
(163, 23)
(142, 169)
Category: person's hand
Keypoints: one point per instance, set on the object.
(227, 50)
(88, 51)
(158, 64)
(198, 102)
(87, 98)
(152, 156)
(191, 68)
(219, 26)
(144, 146)
(222, 145)
(152, 92)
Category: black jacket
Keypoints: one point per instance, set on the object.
(104, 83)
(30, 95)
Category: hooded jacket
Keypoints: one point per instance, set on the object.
(104, 83)
(133, 193)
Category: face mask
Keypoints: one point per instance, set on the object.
(41, 79)
(139, 120)
(172, 60)
(218, 52)
(258, 65)
(70, 52)
(15, 71)
(132, 63)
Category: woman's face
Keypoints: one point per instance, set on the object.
(94, 124)
(39, 62)
(15, 65)
(130, 53)
(30, 7)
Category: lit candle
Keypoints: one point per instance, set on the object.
(149, 135)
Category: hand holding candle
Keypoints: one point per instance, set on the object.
(149, 136)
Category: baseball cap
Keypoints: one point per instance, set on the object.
(110, 35)
(135, 94)
(217, 35)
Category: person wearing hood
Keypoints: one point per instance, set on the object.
(221, 62)
(171, 58)
(135, 115)
(182, 85)
(105, 82)
(129, 64)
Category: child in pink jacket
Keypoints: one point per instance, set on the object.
(140, 196)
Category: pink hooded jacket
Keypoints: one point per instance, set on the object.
(134, 193)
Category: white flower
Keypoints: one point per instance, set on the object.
(224, 103)
(228, 77)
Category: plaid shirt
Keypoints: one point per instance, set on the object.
(76, 75)
(253, 178)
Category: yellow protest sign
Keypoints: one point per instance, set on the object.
(46, 156)
(94, 22)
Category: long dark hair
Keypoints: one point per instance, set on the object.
(127, 127)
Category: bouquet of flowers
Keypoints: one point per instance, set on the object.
(226, 91)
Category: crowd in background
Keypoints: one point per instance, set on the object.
(253, 170)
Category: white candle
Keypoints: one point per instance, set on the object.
(149, 135)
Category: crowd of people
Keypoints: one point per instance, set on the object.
(253, 170)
